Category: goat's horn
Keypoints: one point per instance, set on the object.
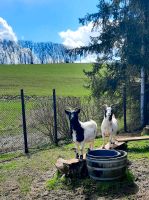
(76, 108)
(68, 108)
(105, 105)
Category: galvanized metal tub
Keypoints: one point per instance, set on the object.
(106, 168)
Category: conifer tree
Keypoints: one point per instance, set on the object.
(123, 44)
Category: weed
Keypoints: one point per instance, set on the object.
(24, 183)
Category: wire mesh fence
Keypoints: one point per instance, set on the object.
(10, 124)
(40, 119)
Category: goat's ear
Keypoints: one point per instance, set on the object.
(67, 112)
(105, 106)
(112, 106)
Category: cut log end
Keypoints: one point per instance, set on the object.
(72, 168)
(117, 145)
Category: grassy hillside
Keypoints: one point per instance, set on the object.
(67, 79)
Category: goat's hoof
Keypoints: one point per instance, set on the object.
(81, 157)
(113, 143)
(103, 147)
(77, 156)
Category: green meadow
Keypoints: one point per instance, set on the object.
(68, 79)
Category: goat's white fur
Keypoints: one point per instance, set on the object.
(109, 128)
(90, 132)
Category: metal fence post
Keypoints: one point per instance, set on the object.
(55, 116)
(124, 108)
(24, 122)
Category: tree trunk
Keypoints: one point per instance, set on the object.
(124, 108)
(142, 95)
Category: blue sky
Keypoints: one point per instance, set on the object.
(46, 20)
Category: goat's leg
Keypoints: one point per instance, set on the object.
(111, 141)
(82, 150)
(92, 145)
(77, 150)
(114, 141)
(103, 138)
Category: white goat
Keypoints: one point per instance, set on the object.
(109, 126)
(82, 132)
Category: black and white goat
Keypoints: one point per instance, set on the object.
(82, 132)
(109, 126)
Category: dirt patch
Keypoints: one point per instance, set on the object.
(140, 169)
(139, 190)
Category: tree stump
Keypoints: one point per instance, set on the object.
(72, 168)
(146, 130)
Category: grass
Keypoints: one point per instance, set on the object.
(11, 116)
(138, 149)
(24, 183)
(39, 80)
(10, 156)
(67, 79)
(90, 185)
(22, 170)
(8, 166)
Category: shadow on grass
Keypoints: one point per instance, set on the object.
(92, 189)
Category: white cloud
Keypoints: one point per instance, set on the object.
(78, 38)
(6, 31)
(89, 58)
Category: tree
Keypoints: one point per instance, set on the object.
(123, 44)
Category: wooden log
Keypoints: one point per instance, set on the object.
(72, 167)
(117, 146)
(129, 139)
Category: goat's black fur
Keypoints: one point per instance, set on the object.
(75, 125)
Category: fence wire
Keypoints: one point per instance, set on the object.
(10, 124)
(40, 118)
(39, 122)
